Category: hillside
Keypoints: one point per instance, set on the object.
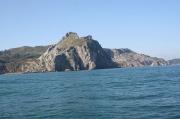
(21, 53)
(72, 53)
(174, 61)
(128, 58)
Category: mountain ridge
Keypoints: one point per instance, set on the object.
(72, 53)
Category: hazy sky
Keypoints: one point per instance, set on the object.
(147, 26)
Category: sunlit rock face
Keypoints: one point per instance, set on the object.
(129, 58)
(74, 53)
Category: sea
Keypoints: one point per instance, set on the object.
(121, 93)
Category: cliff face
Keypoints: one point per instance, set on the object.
(2, 68)
(129, 58)
(22, 59)
(77, 53)
(28, 65)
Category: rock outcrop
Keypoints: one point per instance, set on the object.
(74, 53)
(2, 68)
(22, 59)
(129, 58)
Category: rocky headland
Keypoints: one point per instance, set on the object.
(72, 53)
(174, 61)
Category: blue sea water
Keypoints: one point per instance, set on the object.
(129, 93)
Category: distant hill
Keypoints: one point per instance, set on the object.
(21, 53)
(174, 61)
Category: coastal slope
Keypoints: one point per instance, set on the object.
(174, 61)
(72, 53)
(128, 58)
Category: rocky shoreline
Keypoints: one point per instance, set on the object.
(74, 53)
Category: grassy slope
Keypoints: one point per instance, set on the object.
(21, 53)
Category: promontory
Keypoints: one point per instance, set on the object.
(72, 53)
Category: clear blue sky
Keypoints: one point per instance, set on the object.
(146, 26)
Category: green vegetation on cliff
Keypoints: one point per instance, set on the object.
(21, 53)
